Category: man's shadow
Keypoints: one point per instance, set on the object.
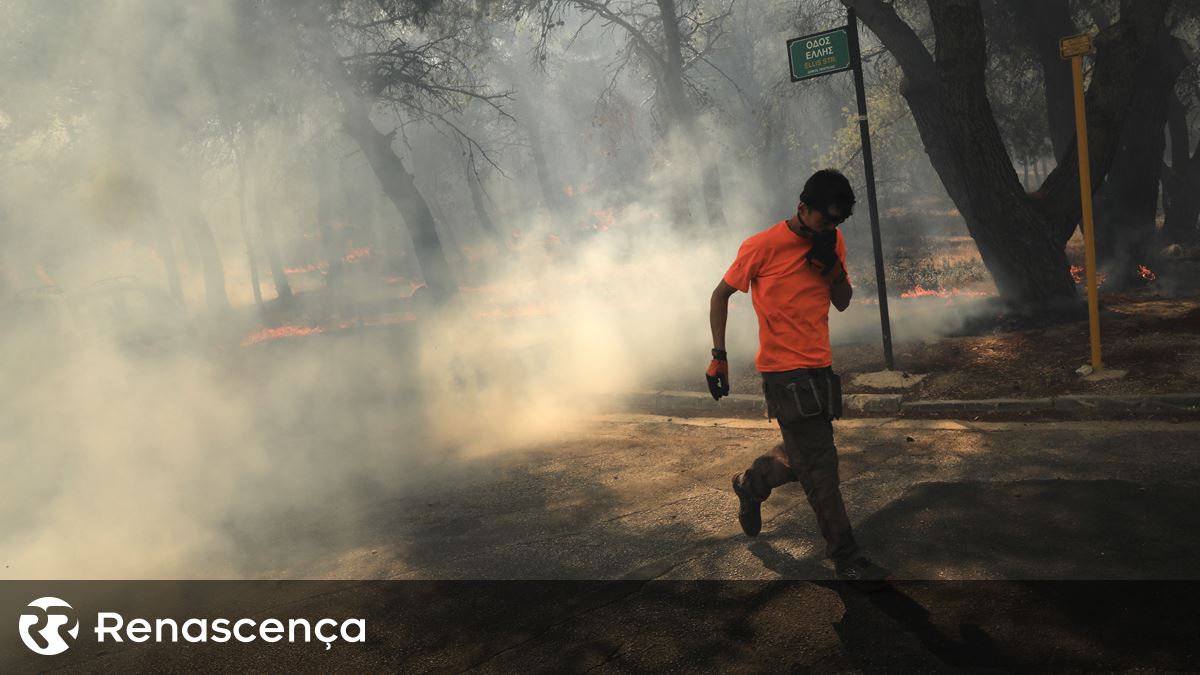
(887, 627)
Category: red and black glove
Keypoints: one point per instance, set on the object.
(718, 374)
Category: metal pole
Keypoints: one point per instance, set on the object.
(1085, 200)
(869, 170)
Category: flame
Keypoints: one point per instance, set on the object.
(357, 254)
(939, 292)
(269, 333)
(319, 266)
(1146, 273)
(277, 332)
(1079, 274)
(323, 265)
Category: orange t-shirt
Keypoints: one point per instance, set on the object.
(790, 298)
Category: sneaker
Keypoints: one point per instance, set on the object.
(863, 573)
(749, 508)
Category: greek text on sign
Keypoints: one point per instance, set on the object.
(819, 54)
(1075, 45)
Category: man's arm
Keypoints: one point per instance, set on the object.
(840, 291)
(718, 312)
(718, 369)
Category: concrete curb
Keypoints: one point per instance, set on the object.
(697, 404)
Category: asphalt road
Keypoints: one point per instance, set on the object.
(644, 497)
(1086, 531)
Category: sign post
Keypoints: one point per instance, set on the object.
(1074, 48)
(834, 51)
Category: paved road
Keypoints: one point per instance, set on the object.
(643, 501)
(645, 497)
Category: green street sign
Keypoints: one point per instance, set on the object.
(819, 54)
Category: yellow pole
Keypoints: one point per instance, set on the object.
(1085, 196)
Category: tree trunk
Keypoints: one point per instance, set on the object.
(251, 256)
(1127, 205)
(397, 183)
(266, 225)
(683, 122)
(166, 251)
(454, 252)
(399, 186)
(551, 193)
(210, 259)
(1120, 50)
(1046, 22)
(477, 202)
(1020, 239)
(958, 129)
(1181, 181)
(331, 250)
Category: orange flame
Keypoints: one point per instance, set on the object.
(323, 265)
(1079, 274)
(357, 254)
(267, 334)
(277, 332)
(319, 266)
(939, 292)
(1146, 273)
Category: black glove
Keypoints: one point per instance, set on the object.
(824, 251)
(718, 375)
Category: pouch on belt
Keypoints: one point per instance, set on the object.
(803, 394)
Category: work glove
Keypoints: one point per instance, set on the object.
(824, 251)
(718, 375)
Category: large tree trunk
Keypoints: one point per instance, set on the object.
(210, 259)
(397, 183)
(1127, 205)
(957, 126)
(399, 186)
(1181, 181)
(1020, 239)
(1120, 50)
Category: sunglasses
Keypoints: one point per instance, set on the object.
(833, 220)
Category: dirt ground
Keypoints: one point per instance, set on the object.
(1156, 339)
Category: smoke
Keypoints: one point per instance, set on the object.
(148, 437)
